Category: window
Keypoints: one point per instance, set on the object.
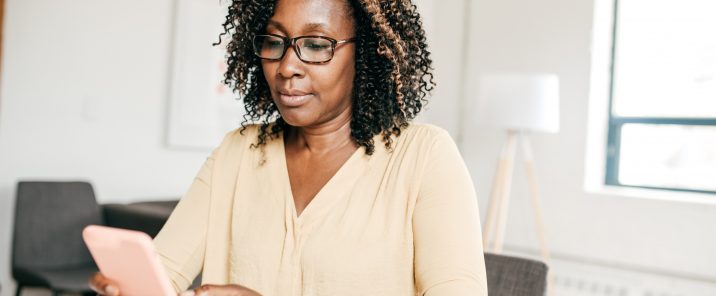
(662, 123)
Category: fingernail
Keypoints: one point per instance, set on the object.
(187, 293)
(111, 290)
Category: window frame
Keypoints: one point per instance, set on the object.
(615, 124)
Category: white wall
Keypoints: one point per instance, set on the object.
(84, 96)
(555, 36)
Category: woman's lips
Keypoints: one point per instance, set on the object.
(293, 100)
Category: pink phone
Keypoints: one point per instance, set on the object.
(128, 257)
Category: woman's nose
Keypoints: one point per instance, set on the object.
(290, 65)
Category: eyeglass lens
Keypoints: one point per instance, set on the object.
(309, 49)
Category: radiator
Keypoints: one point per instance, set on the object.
(572, 278)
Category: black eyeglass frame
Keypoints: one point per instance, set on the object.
(291, 42)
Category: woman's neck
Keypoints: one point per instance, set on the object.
(321, 139)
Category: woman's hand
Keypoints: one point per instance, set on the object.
(103, 285)
(220, 290)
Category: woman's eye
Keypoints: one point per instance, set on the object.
(274, 43)
(316, 46)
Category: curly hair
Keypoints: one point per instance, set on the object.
(392, 65)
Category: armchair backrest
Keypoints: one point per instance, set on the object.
(49, 218)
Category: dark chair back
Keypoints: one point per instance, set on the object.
(513, 276)
(148, 217)
(49, 218)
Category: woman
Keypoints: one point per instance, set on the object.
(303, 203)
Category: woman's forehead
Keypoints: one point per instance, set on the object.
(302, 16)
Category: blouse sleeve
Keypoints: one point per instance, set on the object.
(181, 242)
(449, 258)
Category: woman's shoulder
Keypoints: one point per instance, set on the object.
(420, 141)
(240, 137)
(425, 128)
(426, 134)
(430, 142)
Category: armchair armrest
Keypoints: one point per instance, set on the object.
(148, 217)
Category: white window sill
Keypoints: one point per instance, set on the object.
(655, 194)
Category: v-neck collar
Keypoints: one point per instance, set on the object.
(355, 163)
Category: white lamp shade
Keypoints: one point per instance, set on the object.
(518, 101)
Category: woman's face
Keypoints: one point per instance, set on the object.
(312, 94)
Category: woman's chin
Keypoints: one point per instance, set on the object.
(297, 118)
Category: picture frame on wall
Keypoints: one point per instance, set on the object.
(201, 108)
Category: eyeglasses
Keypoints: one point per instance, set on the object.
(309, 49)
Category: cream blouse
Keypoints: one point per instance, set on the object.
(394, 223)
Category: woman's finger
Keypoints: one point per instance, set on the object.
(102, 285)
(220, 290)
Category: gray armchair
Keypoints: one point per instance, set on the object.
(513, 276)
(47, 247)
(48, 250)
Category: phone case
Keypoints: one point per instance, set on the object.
(129, 258)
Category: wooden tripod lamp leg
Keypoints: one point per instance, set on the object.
(535, 196)
(499, 198)
(494, 207)
(537, 206)
(504, 199)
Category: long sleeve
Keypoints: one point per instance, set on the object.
(449, 258)
(181, 242)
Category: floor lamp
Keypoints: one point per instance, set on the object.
(519, 104)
